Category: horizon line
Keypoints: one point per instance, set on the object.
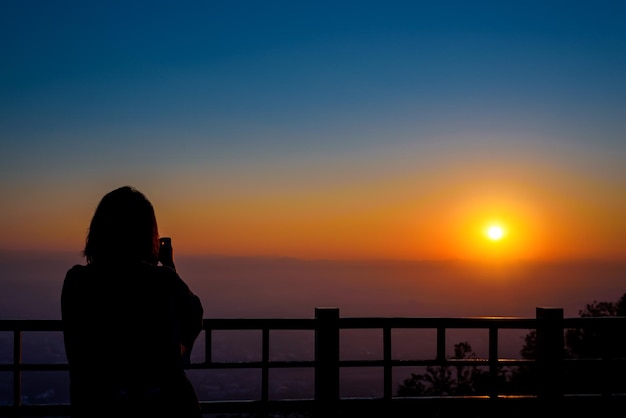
(266, 257)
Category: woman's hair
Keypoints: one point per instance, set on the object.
(123, 229)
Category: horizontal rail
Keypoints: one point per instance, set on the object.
(345, 323)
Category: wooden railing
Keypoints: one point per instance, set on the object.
(327, 364)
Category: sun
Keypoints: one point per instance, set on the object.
(495, 232)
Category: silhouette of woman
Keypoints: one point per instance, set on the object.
(129, 324)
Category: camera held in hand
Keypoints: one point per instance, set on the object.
(166, 252)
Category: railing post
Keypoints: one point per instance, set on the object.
(610, 346)
(326, 358)
(17, 370)
(550, 351)
(494, 384)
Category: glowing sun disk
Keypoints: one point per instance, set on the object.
(495, 232)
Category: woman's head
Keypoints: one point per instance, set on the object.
(123, 229)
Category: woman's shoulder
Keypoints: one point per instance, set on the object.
(75, 278)
(76, 271)
(84, 273)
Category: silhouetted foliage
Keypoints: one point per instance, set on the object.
(593, 341)
(448, 380)
(588, 342)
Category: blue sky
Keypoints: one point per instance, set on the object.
(203, 97)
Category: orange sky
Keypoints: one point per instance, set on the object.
(359, 208)
(438, 209)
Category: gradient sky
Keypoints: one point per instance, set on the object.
(340, 129)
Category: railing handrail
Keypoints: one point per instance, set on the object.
(508, 322)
